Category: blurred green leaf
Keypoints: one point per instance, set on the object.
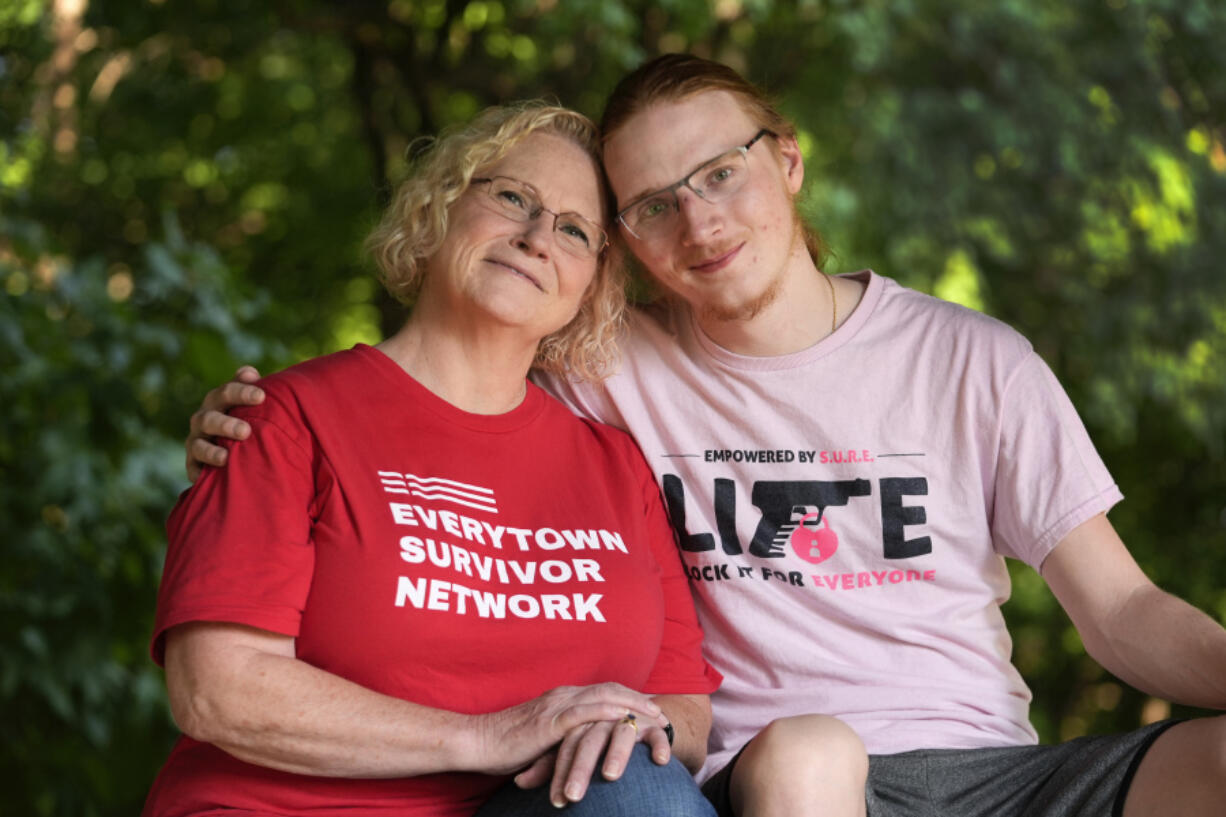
(185, 187)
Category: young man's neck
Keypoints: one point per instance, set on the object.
(799, 315)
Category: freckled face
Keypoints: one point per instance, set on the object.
(493, 269)
(728, 260)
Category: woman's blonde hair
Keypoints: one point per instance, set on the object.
(415, 223)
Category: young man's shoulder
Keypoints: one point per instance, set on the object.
(588, 437)
(950, 323)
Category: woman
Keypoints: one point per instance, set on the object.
(421, 575)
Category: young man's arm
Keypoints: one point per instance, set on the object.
(1156, 642)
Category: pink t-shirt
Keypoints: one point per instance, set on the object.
(844, 511)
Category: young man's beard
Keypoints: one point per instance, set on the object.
(744, 311)
(750, 309)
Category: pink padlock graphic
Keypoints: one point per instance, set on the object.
(814, 544)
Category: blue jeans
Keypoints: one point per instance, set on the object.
(644, 790)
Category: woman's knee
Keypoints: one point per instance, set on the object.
(644, 789)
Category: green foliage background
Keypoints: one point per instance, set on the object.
(184, 187)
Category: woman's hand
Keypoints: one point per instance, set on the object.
(569, 769)
(512, 738)
(576, 758)
(211, 420)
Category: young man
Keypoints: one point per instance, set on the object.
(846, 463)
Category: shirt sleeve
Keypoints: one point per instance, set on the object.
(590, 400)
(680, 667)
(1049, 477)
(239, 546)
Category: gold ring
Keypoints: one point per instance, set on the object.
(630, 719)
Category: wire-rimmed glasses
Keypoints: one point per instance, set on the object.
(713, 181)
(519, 201)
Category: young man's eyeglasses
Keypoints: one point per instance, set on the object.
(714, 181)
(519, 201)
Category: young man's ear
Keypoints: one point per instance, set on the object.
(792, 162)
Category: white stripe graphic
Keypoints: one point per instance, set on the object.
(416, 481)
(393, 483)
(492, 508)
(445, 490)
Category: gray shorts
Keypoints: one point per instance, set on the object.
(1086, 777)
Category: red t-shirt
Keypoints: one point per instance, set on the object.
(461, 561)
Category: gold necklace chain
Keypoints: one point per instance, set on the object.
(834, 306)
